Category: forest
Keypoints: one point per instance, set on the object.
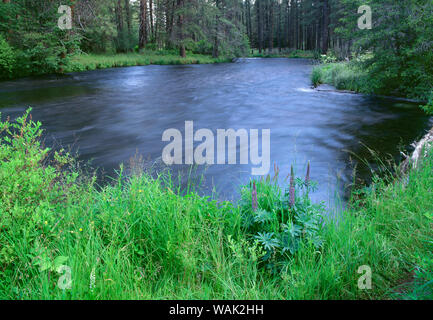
(342, 88)
(396, 52)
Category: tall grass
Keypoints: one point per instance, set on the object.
(285, 53)
(342, 75)
(138, 238)
(83, 62)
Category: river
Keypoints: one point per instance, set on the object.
(110, 115)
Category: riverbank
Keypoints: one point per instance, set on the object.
(351, 77)
(143, 238)
(343, 76)
(85, 62)
(284, 53)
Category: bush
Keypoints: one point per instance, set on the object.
(428, 108)
(344, 76)
(7, 59)
(31, 192)
(40, 54)
(316, 76)
(200, 47)
(281, 221)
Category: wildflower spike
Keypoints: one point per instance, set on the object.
(254, 197)
(307, 177)
(292, 188)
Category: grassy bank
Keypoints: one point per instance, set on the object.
(305, 54)
(354, 77)
(343, 76)
(84, 62)
(144, 238)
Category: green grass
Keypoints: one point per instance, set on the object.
(83, 62)
(342, 75)
(350, 76)
(305, 54)
(143, 238)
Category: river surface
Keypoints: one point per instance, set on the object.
(111, 115)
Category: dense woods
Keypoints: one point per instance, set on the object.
(397, 50)
(212, 27)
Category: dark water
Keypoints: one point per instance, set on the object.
(109, 115)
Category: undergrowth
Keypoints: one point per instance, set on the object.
(64, 237)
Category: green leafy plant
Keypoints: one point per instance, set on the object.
(281, 221)
(32, 187)
(7, 59)
(428, 108)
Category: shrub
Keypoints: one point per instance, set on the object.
(316, 76)
(330, 57)
(428, 108)
(7, 59)
(344, 76)
(40, 54)
(30, 190)
(281, 221)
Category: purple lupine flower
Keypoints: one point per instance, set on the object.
(277, 172)
(307, 177)
(254, 197)
(292, 188)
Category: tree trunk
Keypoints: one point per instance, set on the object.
(271, 25)
(143, 25)
(280, 5)
(129, 22)
(259, 25)
(248, 19)
(295, 23)
(180, 21)
(119, 23)
(169, 21)
(325, 31)
(152, 34)
(215, 51)
(287, 26)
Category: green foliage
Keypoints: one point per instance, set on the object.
(280, 228)
(293, 54)
(7, 59)
(38, 45)
(138, 238)
(84, 62)
(39, 54)
(30, 191)
(344, 76)
(98, 29)
(200, 47)
(399, 45)
(428, 108)
(330, 57)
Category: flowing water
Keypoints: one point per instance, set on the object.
(110, 115)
